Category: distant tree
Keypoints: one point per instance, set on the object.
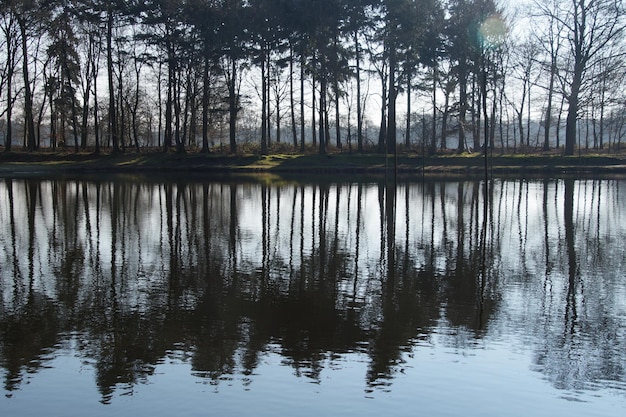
(524, 70)
(548, 37)
(590, 28)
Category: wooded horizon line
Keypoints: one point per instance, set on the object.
(112, 74)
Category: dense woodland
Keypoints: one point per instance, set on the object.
(355, 75)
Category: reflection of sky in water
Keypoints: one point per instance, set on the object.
(545, 346)
(490, 378)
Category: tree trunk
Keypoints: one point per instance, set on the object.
(205, 104)
(112, 116)
(96, 126)
(572, 112)
(382, 133)
(337, 116)
(313, 110)
(302, 118)
(359, 118)
(476, 111)
(434, 101)
(28, 97)
(444, 120)
(407, 133)
(391, 119)
(10, 68)
(292, 105)
(462, 108)
(322, 114)
(264, 106)
(268, 99)
(180, 146)
(548, 119)
(232, 107)
(167, 139)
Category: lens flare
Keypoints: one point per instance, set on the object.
(492, 31)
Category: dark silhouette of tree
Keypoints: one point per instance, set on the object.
(233, 38)
(28, 14)
(62, 52)
(405, 23)
(463, 46)
(9, 29)
(360, 19)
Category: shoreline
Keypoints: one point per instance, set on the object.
(23, 164)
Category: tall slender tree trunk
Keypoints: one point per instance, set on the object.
(87, 91)
(462, 108)
(407, 134)
(476, 110)
(28, 97)
(322, 114)
(337, 116)
(434, 101)
(179, 139)
(302, 118)
(382, 133)
(444, 119)
(96, 123)
(483, 83)
(85, 117)
(278, 119)
(268, 98)
(167, 138)
(75, 123)
(160, 105)
(53, 122)
(292, 104)
(359, 118)
(548, 117)
(572, 111)
(314, 110)
(264, 106)
(391, 119)
(10, 68)
(112, 111)
(602, 109)
(205, 103)
(232, 106)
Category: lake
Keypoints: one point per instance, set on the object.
(150, 297)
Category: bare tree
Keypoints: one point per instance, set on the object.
(548, 38)
(590, 28)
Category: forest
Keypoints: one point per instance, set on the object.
(312, 75)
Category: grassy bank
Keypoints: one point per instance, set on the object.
(42, 163)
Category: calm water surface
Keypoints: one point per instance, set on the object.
(122, 297)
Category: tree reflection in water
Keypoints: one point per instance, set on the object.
(217, 274)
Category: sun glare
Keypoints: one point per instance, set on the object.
(492, 31)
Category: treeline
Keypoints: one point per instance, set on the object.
(176, 74)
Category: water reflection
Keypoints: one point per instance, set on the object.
(129, 274)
